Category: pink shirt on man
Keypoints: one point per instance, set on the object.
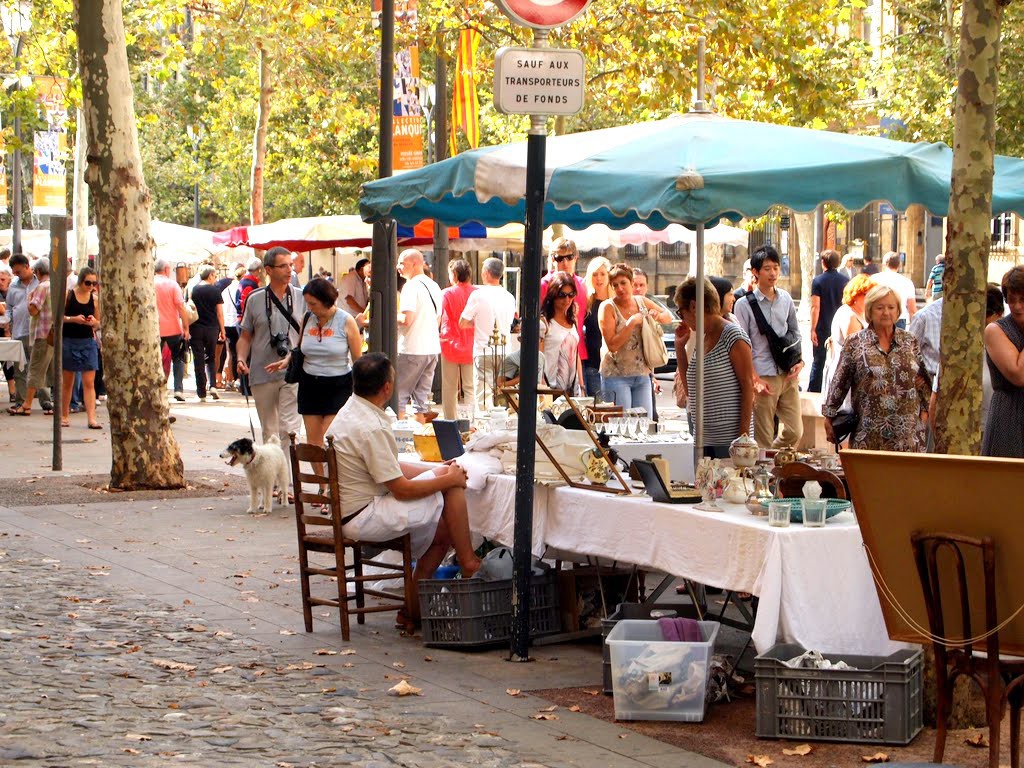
(168, 301)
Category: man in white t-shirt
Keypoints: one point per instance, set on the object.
(353, 294)
(419, 338)
(891, 278)
(488, 305)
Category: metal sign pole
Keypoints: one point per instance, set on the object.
(533, 260)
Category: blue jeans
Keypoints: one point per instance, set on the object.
(631, 391)
(592, 380)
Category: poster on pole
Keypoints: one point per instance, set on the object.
(3, 173)
(407, 121)
(50, 153)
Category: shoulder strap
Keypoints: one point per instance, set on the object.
(282, 310)
(429, 293)
(762, 321)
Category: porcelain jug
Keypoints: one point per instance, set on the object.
(594, 466)
(743, 451)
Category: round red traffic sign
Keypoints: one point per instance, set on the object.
(543, 14)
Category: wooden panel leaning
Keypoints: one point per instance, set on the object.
(318, 520)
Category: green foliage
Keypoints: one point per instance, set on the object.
(917, 82)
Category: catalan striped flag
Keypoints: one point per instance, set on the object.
(465, 106)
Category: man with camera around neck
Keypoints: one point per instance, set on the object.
(265, 337)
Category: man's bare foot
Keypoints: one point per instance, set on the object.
(469, 569)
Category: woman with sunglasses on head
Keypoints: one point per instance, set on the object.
(623, 368)
(559, 338)
(79, 350)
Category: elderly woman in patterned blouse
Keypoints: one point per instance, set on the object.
(883, 367)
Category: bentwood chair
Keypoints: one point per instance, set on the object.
(951, 559)
(319, 522)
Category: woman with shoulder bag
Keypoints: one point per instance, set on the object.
(624, 370)
(80, 353)
(329, 343)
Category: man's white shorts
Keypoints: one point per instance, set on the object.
(387, 518)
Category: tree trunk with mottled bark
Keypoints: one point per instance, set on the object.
(144, 451)
(958, 421)
(259, 144)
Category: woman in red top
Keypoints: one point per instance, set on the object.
(456, 343)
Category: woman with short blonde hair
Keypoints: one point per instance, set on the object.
(596, 281)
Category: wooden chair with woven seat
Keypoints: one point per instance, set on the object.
(792, 477)
(1001, 679)
(320, 533)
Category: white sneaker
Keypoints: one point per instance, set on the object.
(213, 394)
(179, 396)
(201, 399)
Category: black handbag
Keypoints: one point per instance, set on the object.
(294, 370)
(844, 424)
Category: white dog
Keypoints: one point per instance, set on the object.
(264, 466)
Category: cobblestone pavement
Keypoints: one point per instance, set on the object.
(92, 675)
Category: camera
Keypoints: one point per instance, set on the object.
(279, 343)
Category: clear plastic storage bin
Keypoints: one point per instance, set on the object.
(655, 679)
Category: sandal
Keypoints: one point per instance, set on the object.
(47, 411)
(65, 422)
(95, 426)
(20, 410)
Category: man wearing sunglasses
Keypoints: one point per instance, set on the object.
(565, 254)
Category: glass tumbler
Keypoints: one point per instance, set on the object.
(778, 513)
(814, 512)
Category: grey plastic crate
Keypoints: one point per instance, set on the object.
(473, 613)
(633, 611)
(878, 701)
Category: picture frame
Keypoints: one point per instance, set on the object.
(512, 395)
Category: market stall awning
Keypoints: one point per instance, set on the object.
(602, 236)
(689, 169)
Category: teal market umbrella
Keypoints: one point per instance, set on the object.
(690, 169)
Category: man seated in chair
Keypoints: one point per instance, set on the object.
(381, 498)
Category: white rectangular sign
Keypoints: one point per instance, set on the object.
(538, 81)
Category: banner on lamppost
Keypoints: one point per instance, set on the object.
(407, 113)
(3, 173)
(49, 173)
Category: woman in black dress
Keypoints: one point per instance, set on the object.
(78, 348)
(1004, 342)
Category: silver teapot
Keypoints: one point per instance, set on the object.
(763, 493)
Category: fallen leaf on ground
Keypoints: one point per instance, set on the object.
(348, 665)
(404, 689)
(575, 708)
(196, 628)
(513, 692)
(428, 658)
(168, 664)
(622, 735)
(302, 665)
(328, 690)
(131, 751)
(325, 652)
(286, 632)
(398, 665)
(220, 670)
(552, 708)
(801, 751)
(878, 757)
(348, 652)
(138, 737)
(761, 761)
(543, 716)
(977, 740)
(565, 737)
(592, 693)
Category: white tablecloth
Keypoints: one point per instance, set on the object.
(814, 584)
(11, 351)
(678, 453)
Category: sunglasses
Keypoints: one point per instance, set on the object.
(564, 257)
(90, 282)
(567, 295)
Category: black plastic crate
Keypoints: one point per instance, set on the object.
(878, 701)
(473, 613)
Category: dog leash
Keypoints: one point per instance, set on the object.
(248, 408)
